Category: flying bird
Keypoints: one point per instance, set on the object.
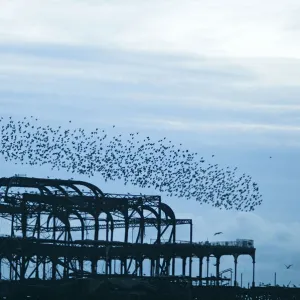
(131, 158)
(288, 266)
(218, 233)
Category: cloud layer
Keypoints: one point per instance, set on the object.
(220, 77)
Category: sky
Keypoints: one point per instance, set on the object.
(221, 77)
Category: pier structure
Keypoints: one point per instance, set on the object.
(65, 229)
(64, 223)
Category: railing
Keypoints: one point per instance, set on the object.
(237, 243)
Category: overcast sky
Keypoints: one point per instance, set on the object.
(221, 77)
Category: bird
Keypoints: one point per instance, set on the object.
(138, 160)
(288, 266)
(218, 233)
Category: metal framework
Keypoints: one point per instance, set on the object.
(61, 229)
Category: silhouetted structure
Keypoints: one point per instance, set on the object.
(62, 232)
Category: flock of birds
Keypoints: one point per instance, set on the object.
(134, 159)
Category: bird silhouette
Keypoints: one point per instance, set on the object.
(132, 158)
(288, 266)
(220, 232)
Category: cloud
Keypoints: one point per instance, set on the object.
(218, 28)
(150, 91)
(213, 126)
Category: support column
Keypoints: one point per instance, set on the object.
(174, 241)
(44, 268)
(53, 268)
(207, 269)
(173, 266)
(22, 268)
(200, 270)
(191, 259)
(94, 267)
(168, 265)
(152, 267)
(81, 266)
(125, 266)
(183, 265)
(253, 275)
(218, 270)
(121, 266)
(157, 265)
(141, 265)
(235, 268)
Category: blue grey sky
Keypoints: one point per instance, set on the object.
(221, 77)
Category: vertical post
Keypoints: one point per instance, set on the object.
(218, 270)
(183, 265)
(107, 229)
(53, 268)
(207, 269)
(38, 223)
(191, 241)
(141, 265)
(168, 262)
(253, 275)
(152, 266)
(107, 260)
(200, 270)
(235, 269)
(121, 266)
(158, 237)
(125, 266)
(275, 279)
(174, 241)
(241, 279)
(44, 268)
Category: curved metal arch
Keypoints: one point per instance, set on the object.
(96, 220)
(139, 211)
(58, 187)
(63, 218)
(91, 186)
(109, 216)
(78, 215)
(167, 210)
(72, 183)
(49, 182)
(45, 189)
(123, 211)
(34, 183)
(75, 188)
(142, 220)
(8, 185)
(148, 207)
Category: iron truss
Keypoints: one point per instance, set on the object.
(60, 229)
